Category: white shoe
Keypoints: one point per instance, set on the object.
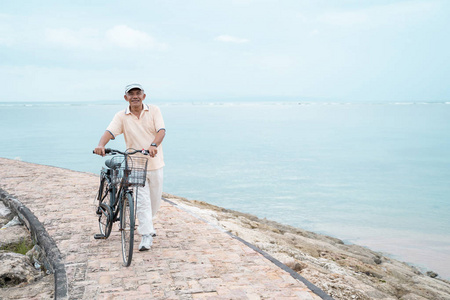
(146, 243)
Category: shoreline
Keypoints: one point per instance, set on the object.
(423, 260)
(344, 271)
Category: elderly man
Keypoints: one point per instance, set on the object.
(143, 128)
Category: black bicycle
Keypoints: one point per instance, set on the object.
(115, 196)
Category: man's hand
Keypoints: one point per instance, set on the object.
(106, 137)
(152, 151)
(100, 151)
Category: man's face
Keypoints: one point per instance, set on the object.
(135, 98)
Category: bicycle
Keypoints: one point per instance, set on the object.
(115, 196)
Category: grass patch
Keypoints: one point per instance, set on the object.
(22, 247)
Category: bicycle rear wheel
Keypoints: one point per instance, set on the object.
(104, 219)
(104, 211)
(127, 222)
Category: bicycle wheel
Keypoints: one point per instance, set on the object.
(104, 219)
(104, 211)
(127, 228)
(103, 191)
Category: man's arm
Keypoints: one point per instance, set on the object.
(106, 137)
(158, 140)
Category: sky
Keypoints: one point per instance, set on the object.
(347, 50)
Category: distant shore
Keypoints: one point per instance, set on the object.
(340, 270)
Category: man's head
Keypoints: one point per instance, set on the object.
(134, 94)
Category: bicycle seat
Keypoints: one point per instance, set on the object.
(112, 164)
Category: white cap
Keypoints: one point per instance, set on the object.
(133, 86)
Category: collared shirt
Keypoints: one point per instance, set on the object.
(140, 132)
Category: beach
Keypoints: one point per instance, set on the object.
(340, 270)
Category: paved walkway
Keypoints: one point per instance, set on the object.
(190, 259)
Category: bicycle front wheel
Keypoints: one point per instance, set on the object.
(127, 228)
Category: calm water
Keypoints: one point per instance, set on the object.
(373, 174)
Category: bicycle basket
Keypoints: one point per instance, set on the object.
(132, 170)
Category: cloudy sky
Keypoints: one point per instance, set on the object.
(374, 50)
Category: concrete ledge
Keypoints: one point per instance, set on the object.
(41, 237)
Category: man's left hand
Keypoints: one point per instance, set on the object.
(152, 151)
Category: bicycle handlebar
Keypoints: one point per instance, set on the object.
(127, 152)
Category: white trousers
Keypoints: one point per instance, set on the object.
(149, 201)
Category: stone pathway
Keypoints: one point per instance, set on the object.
(190, 259)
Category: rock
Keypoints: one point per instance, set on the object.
(276, 230)
(253, 224)
(13, 236)
(5, 214)
(333, 268)
(294, 264)
(41, 289)
(35, 253)
(15, 268)
(377, 260)
(37, 257)
(3, 221)
(432, 274)
(4, 210)
(15, 221)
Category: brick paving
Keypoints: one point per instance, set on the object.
(189, 259)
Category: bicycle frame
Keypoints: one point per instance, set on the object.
(116, 193)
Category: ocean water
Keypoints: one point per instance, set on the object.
(374, 174)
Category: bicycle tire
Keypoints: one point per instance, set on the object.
(104, 211)
(104, 220)
(127, 223)
(103, 191)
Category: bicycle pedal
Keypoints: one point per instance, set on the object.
(99, 236)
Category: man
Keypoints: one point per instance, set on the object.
(143, 128)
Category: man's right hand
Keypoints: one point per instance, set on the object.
(106, 137)
(100, 151)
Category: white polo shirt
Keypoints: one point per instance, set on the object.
(140, 132)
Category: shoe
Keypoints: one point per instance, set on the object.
(146, 243)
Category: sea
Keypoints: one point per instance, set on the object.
(374, 174)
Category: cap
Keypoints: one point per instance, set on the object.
(133, 86)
